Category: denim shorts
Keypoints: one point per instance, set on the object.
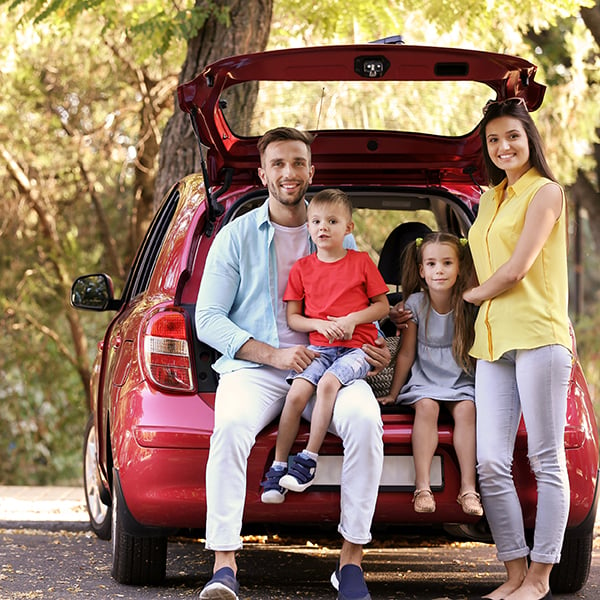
(346, 364)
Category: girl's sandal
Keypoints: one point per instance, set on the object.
(471, 503)
(423, 501)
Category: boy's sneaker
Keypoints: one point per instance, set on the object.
(222, 586)
(273, 493)
(300, 474)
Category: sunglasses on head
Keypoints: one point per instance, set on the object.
(515, 100)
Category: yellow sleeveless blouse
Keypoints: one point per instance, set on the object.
(534, 312)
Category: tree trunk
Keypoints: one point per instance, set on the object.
(247, 31)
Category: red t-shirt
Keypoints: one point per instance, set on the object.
(336, 289)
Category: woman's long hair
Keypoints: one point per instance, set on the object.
(516, 108)
(464, 312)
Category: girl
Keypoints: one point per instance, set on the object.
(434, 349)
(522, 344)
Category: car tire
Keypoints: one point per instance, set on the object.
(137, 559)
(571, 573)
(98, 511)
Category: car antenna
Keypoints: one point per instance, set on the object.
(320, 107)
(215, 210)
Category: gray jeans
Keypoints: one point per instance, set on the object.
(534, 383)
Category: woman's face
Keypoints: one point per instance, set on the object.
(508, 146)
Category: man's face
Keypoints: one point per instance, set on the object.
(286, 171)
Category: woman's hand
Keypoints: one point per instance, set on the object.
(472, 297)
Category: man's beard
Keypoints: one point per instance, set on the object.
(285, 199)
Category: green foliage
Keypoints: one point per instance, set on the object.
(153, 27)
(73, 75)
(466, 22)
(588, 348)
(69, 129)
(41, 425)
(161, 28)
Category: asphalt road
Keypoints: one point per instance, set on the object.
(47, 552)
(59, 565)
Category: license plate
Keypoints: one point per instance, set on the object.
(398, 473)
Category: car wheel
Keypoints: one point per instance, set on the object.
(98, 511)
(571, 573)
(136, 559)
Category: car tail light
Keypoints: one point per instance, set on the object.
(167, 356)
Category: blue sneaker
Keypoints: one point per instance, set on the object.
(301, 473)
(222, 586)
(273, 493)
(352, 584)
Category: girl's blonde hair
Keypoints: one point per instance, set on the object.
(464, 313)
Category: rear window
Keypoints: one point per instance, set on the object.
(444, 108)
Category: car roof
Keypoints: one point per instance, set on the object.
(359, 154)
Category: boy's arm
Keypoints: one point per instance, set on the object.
(298, 322)
(378, 309)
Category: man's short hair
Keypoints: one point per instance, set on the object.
(281, 134)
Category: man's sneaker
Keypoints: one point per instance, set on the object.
(300, 474)
(352, 584)
(273, 493)
(222, 586)
(335, 577)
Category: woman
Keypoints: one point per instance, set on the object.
(522, 344)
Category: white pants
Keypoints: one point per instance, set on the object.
(534, 383)
(249, 399)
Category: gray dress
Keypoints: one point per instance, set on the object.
(434, 373)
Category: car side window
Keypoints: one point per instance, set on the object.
(145, 260)
(244, 205)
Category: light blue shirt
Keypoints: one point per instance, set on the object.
(238, 295)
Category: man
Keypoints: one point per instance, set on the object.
(240, 312)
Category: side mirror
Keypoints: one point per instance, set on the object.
(93, 292)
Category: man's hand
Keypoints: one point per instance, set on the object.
(296, 358)
(399, 316)
(378, 355)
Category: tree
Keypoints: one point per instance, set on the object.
(91, 138)
(247, 31)
(78, 162)
(70, 179)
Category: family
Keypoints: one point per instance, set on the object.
(485, 333)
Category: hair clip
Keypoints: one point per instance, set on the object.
(418, 242)
(463, 241)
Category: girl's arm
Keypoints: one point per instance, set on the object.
(542, 214)
(404, 362)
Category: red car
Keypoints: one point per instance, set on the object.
(153, 387)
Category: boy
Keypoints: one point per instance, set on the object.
(335, 295)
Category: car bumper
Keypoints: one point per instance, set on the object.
(162, 477)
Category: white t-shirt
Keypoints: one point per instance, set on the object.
(291, 243)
